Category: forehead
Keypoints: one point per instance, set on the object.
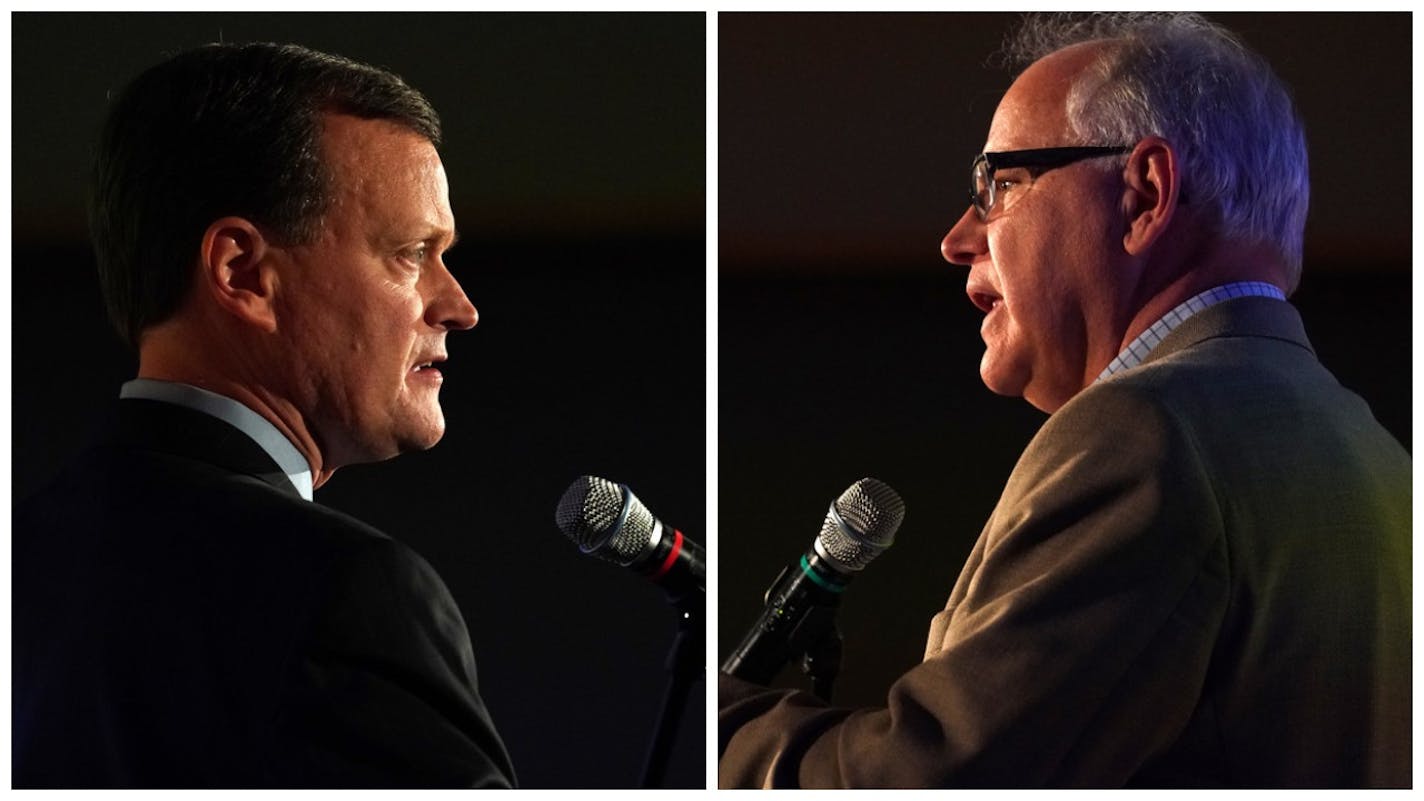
(1034, 111)
(383, 171)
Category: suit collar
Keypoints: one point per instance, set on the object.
(234, 413)
(180, 431)
(1243, 317)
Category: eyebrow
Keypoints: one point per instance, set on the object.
(435, 235)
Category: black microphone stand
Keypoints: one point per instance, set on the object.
(684, 666)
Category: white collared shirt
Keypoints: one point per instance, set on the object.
(254, 425)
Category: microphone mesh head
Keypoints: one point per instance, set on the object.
(589, 512)
(861, 524)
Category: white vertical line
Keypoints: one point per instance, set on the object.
(710, 126)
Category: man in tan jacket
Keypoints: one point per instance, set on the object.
(1199, 572)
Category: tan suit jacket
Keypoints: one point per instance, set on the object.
(1197, 575)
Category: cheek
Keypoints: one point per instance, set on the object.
(1039, 294)
(397, 300)
(378, 314)
(1058, 262)
(1027, 272)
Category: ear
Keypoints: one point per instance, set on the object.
(1152, 194)
(237, 273)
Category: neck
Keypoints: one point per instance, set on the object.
(169, 352)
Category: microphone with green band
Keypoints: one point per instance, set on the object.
(860, 525)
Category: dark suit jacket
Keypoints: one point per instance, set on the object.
(1198, 574)
(182, 618)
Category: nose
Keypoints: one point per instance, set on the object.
(966, 241)
(449, 308)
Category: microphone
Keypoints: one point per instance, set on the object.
(801, 603)
(608, 521)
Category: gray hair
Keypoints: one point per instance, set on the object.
(1236, 131)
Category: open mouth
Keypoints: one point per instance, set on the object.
(431, 367)
(986, 302)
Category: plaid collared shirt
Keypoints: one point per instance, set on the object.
(1138, 349)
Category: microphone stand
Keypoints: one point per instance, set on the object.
(684, 666)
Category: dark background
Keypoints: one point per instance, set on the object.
(576, 154)
(847, 347)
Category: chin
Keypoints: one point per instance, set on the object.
(999, 380)
(426, 443)
(419, 439)
(1044, 405)
(408, 438)
(430, 432)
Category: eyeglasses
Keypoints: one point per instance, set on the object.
(983, 191)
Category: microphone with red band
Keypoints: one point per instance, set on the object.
(607, 520)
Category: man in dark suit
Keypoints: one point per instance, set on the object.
(1199, 571)
(269, 224)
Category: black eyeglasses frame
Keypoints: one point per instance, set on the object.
(1042, 158)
